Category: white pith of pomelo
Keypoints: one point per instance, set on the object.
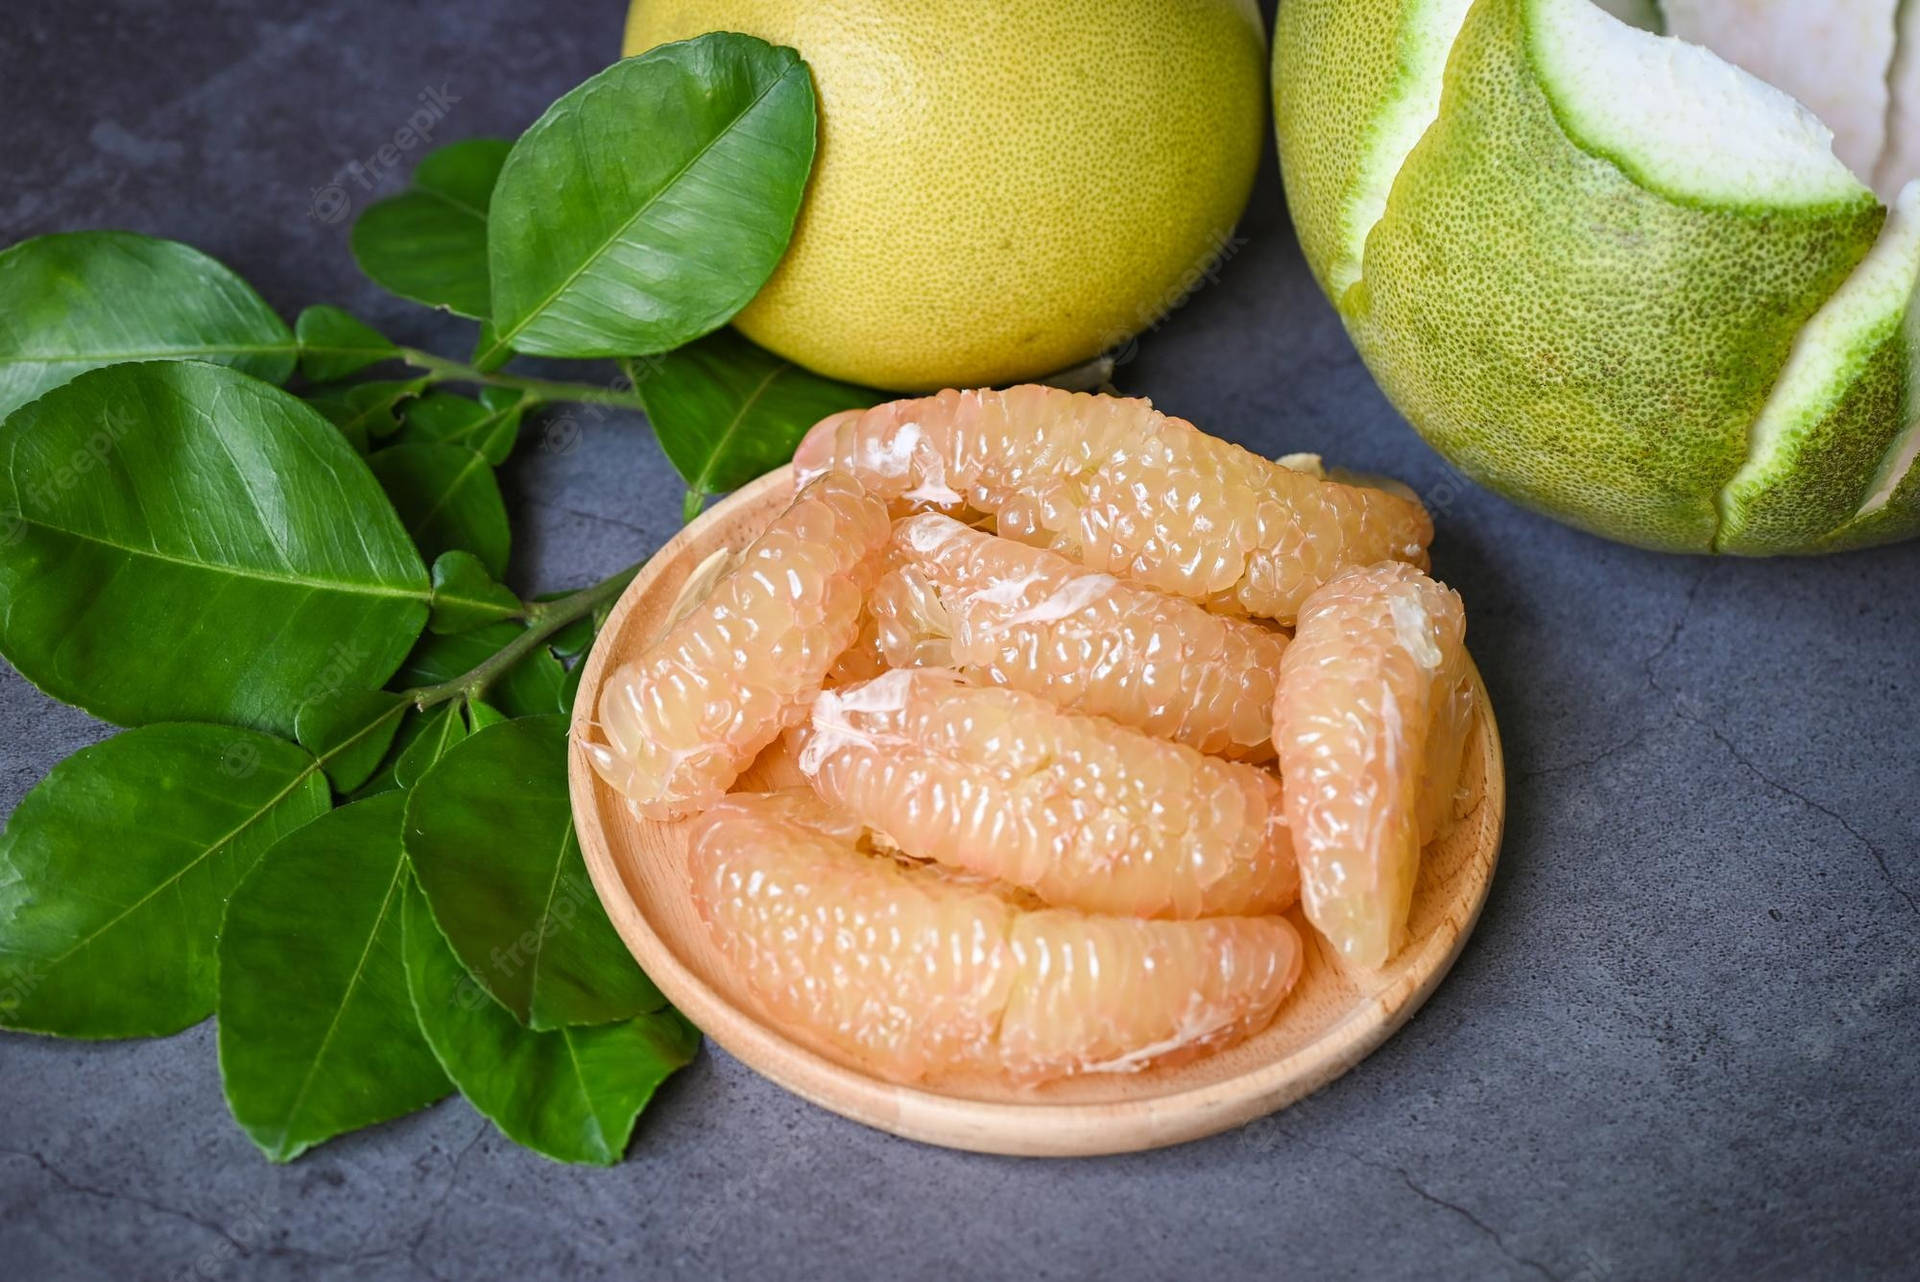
(1833, 56)
(1615, 275)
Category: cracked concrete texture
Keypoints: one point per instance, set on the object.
(1680, 1044)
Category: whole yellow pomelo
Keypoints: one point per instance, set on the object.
(1003, 188)
(1640, 281)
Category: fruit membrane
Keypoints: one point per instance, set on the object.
(1123, 489)
(1082, 811)
(682, 719)
(914, 972)
(1007, 614)
(1371, 722)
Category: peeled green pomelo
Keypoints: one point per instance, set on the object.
(1640, 283)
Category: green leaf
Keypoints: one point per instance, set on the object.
(727, 411)
(572, 1094)
(490, 834)
(649, 204)
(349, 731)
(73, 301)
(334, 344)
(574, 639)
(190, 544)
(448, 498)
(489, 425)
(465, 596)
(368, 410)
(412, 723)
(317, 1031)
(489, 353)
(429, 243)
(115, 869)
(570, 689)
(577, 637)
(440, 729)
(528, 688)
(481, 714)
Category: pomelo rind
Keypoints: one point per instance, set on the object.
(1426, 35)
(1538, 313)
(1837, 407)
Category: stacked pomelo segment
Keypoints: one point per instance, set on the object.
(1074, 745)
(1637, 280)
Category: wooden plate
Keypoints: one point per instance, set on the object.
(1332, 1020)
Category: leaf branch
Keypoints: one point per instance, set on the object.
(544, 619)
(541, 391)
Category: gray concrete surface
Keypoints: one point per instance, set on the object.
(1682, 1043)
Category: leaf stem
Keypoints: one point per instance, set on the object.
(543, 390)
(544, 618)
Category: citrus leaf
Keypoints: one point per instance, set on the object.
(438, 731)
(481, 714)
(429, 243)
(349, 731)
(448, 498)
(570, 689)
(186, 543)
(489, 353)
(576, 637)
(649, 204)
(317, 1031)
(115, 869)
(489, 425)
(334, 344)
(73, 301)
(366, 411)
(726, 411)
(490, 834)
(572, 1094)
(465, 596)
(412, 723)
(528, 688)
